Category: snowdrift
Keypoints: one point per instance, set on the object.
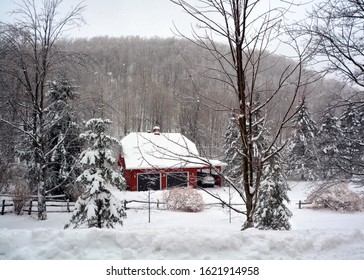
(315, 234)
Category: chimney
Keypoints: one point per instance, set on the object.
(156, 130)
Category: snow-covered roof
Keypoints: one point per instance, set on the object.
(165, 150)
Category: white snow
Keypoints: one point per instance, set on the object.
(315, 234)
(165, 150)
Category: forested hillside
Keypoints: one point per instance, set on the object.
(140, 82)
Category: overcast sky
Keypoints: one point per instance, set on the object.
(144, 18)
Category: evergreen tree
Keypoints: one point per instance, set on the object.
(271, 211)
(329, 135)
(361, 116)
(352, 144)
(97, 207)
(63, 144)
(260, 142)
(301, 148)
(25, 153)
(232, 156)
(271, 193)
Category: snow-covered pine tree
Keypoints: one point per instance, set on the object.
(352, 144)
(63, 144)
(301, 149)
(97, 206)
(260, 143)
(232, 155)
(268, 176)
(24, 153)
(271, 211)
(328, 138)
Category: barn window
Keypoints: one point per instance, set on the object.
(149, 181)
(177, 179)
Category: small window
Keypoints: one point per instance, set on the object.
(149, 181)
(177, 179)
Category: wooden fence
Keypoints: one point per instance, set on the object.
(135, 204)
(62, 206)
(158, 204)
(300, 203)
(54, 205)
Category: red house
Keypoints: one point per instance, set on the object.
(161, 160)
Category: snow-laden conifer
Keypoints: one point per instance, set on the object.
(232, 155)
(351, 146)
(328, 139)
(270, 186)
(301, 148)
(97, 207)
(63, 144)
(271, 211)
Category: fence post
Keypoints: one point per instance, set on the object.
(30, 207)
(68, 205)
(149, 205)
(299, 204)
(157, 203)
(3, 207)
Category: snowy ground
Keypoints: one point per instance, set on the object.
(315, 234)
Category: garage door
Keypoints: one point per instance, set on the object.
(149, 181)
(177, 179)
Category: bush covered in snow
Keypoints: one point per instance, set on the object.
(183, 199)
(336, 197)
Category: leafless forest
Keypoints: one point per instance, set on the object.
(138, 82)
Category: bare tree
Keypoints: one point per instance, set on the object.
(336, 31)
(248, 30)
(31, 56)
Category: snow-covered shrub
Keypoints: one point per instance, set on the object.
(336, 197)
(183, 199)
(20, 195)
